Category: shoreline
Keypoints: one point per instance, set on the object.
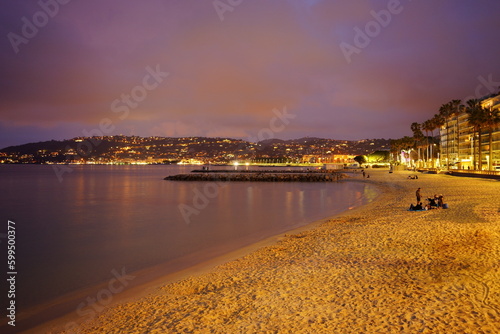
(387, 270)
(152, 278)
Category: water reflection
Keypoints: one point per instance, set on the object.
(105, 217)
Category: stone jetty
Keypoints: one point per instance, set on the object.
(259, 176)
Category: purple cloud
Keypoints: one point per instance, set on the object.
(226, 77)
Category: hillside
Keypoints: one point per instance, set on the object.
(167, 149)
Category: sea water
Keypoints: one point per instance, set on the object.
(81, 225)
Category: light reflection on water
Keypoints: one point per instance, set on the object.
(73, 233)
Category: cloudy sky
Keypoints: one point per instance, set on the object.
(239, 68)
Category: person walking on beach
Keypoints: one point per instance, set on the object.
(418, 195)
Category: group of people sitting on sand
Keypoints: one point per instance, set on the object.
(436, 202)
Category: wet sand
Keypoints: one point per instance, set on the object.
(376, 269)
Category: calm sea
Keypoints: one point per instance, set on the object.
(95, 221)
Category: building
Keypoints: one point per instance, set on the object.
(458, 141)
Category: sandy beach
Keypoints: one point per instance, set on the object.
(375, 269)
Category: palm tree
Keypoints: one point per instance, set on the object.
(397, 145)
(407, 144)
(491, 120)
(445, 111)
(428, 126)
(476, 118)
(437, 122)
(418, 135)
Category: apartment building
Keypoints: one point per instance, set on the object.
(459, 142)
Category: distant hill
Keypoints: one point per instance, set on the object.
(271, 141)
(167, 149)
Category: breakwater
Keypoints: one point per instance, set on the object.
(259, 176)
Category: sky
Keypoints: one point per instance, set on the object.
(249, 69)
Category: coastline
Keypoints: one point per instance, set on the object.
(387, 270)
(63, 310)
